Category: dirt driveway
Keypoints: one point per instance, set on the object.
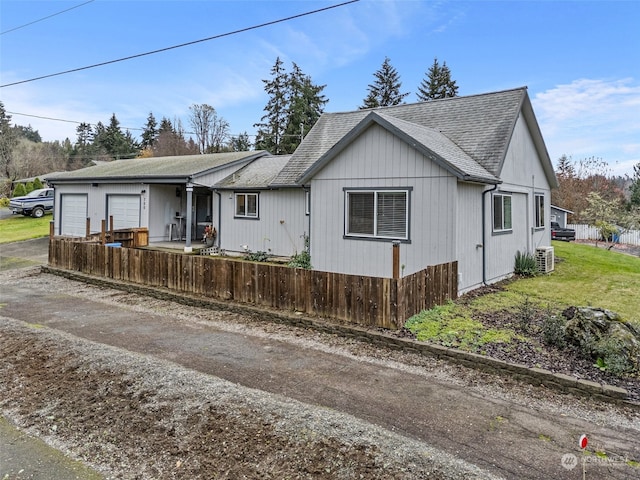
(436, 413)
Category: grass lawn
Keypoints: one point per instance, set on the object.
(19, 227)
(583, 276)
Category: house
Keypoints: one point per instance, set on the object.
(560, 215)
(461, 179)
(464, 179)
(256, 216)
(171, 196)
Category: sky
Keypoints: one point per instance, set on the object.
(580, 60)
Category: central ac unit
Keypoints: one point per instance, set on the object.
(545, 259)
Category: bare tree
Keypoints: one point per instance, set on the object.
(210, 129)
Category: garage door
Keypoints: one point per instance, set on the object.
(125, 210)
(73, 215)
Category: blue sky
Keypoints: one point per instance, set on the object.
(579, 59)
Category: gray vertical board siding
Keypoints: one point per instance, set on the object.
(469, 246)
(279, 230)
(378, 159)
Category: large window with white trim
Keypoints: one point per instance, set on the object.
(502, 212)
(377, 214)
(246, 205)
(539, 207)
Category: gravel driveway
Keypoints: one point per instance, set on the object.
(144, 388)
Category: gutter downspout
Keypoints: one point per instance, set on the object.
(219, 216)
(484, 234)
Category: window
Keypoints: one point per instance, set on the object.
(539, 210)
(501, 213)
(377, 214)
(247, 205)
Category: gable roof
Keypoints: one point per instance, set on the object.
(430, 142)
(256, 175)
(479, 126)
(180, 169)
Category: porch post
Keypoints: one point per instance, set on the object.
(187, 226)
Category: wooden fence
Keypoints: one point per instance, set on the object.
(361, 300)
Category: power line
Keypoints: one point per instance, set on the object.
(215, 37)
(45, 18)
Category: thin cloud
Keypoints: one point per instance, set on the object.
(592, 117)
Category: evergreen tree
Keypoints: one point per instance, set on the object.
(240, 143)
(8, 141)
(306, 104)
(385, 90)
(150, 132)
(274, 121)
(635, 186)
(171, 140)
(113, 141)
(437, 84)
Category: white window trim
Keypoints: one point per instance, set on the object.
(539, 210)
(502, 195)
(246, 202)
(375, 236)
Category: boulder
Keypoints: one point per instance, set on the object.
(601, 333)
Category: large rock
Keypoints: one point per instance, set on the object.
(603, 334)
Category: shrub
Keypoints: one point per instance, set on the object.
(525, 314)
(302, 259)
(258, 256)
(19, 191)
(553, 330)
(525, 264)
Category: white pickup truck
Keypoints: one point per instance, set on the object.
(35, 204)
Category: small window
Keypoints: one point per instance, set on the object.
(247, 205)
(377, 214)
(502, 213)
(540, 210)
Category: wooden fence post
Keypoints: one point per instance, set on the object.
(88, 228)
(396, 259)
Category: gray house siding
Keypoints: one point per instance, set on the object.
(377, 159)
(97, 198)
(278, 230)
(469, 241)
(524, 178)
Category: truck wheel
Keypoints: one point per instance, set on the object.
(37, 212)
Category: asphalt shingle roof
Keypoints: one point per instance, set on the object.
(157, 167)
(479, 125)
(258, 174)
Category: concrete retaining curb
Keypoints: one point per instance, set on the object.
(534, 376)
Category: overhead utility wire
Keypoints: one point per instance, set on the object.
(242, 30)
(44, 18)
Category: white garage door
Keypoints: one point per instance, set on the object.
(73, 215)
(125, 210)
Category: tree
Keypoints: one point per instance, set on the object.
(305, 105)
(634, 189)
(150, 132)
(8, 141)
(437, 84)
(171, 140)
(274, 121)
(240, 143)
(385, 90)
(28, 132)
(602, 214)
(113, 141)
(577, 179)
(19, 190)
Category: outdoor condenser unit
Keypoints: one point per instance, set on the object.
(545, 259)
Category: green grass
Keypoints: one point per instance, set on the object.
(19, 227)
(584, 276)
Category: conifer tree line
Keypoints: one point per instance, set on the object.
(294, 105)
